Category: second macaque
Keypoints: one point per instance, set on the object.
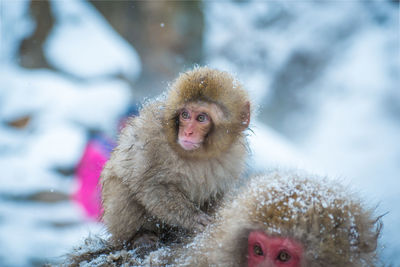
(282, 219)
(177, 158)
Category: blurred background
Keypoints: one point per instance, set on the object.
(324, 76)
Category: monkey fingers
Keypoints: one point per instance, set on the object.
(204, 219)
(146, 239)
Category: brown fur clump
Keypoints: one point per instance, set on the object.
(150, 186)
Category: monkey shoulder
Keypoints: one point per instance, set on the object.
(145, 128)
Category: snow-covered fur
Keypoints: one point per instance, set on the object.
(334, 227)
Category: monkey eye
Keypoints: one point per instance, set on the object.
(202, 117)
(283, 256)
(185, 115)
(258, 250)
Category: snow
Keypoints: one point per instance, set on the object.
(62, 111)
(28, 233)
(14, 26)
(76, 20)
(269, 150)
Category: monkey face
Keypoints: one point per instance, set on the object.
(225, 106)
(194, 125)
(269, 251)
(195, 122)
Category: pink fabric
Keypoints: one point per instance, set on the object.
(88, 172)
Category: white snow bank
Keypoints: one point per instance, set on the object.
(51, 97)
(15, 25)
(61, 112)
(29, 234)
(82, 43)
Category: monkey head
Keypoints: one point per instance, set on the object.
(206, 111)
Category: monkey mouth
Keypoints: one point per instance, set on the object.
(188, 145)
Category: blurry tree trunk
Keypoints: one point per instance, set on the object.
(168, 36)
(31, 49)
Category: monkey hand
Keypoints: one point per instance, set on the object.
(202, 220)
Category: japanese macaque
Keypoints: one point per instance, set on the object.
(278, 220)
(176, 159)
(284, 219)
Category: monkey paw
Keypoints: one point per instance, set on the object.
(202, 220)
(146, 240)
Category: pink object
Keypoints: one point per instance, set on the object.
(88, 171)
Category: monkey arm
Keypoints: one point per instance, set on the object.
(167, 202)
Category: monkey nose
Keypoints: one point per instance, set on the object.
(188, 133)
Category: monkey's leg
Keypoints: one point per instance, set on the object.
(123, 216)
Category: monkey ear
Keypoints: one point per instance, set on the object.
(245, 115)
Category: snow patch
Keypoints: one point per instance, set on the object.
(83, 44)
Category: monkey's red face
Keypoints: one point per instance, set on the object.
(270, 251)
(194, 125)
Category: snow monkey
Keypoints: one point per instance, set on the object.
(177, 158)
(282, 219)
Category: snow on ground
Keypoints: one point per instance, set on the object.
(37, 233)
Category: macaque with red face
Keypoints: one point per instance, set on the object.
(175, 161)
(282, 219)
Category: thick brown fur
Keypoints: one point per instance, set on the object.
(150, 184)
(334, 227)
(210, 86)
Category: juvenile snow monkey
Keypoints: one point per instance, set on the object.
(176, 159)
